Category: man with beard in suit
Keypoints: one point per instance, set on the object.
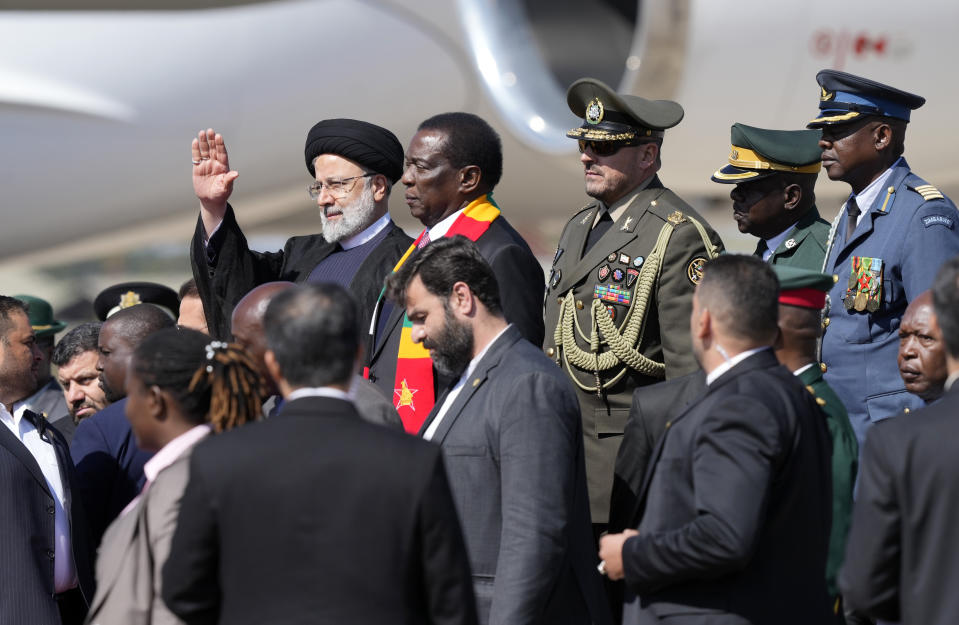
(511, 436)
(47, 576)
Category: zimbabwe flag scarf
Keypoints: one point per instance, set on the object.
(413, 394)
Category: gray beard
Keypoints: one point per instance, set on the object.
(355, 218)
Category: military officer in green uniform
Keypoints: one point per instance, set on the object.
(802, 296)
(774, 198)
(620, 290)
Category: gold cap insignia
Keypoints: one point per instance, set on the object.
(826, 96)
(694, 270)
(734, 155)
(130, 298)
(594, 111)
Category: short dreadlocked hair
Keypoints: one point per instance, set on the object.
(211, 382)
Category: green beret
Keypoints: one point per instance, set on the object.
(802, 287)
(758, 152)
(40, 313)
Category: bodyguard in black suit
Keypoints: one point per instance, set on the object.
(109, 463)
(901, 562)
(355, 164)
(316, 516)
(653, 407)
(736, 507)
(46, 575)
(453, 163)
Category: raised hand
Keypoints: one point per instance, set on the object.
(212, 176)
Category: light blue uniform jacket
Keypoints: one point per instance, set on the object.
(913, 236)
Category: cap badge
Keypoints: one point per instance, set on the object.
(594, 111)
(130, 298)
(826, 96)
(734, 155)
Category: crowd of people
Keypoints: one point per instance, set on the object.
(367, 427)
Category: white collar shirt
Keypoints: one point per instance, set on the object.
(455, 391)
(867, 196)
(713, 375)
(42, 450)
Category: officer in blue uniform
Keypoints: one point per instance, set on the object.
(885, 246)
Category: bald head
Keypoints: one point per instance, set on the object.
(247, 323)
(119, 336)
(922, 352)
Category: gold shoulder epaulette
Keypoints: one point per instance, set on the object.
(929, 192)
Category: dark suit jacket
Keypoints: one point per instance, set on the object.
(653, 406)
(901, 562)
(521, 282)
(109, 466)
(234, 269)
(27, 542)
(736, 507)
(316, 516)
(513, 444)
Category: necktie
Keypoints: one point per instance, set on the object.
(604, 223)
(762, 250)
(424, 241)
(852, 216)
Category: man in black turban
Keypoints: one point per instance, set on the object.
(355, 164)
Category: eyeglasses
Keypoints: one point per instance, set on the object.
(339, 189)
(604, 148)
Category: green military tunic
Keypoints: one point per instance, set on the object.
(845, 461)
(805, 247)
(618, 316)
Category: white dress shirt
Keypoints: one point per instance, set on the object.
(455, 391)
(439, 230)
(773, 243)
(320, 391)
(374, 229)
(41, 448)
(868, 195)
(729, 363)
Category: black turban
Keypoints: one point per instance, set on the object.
(371, 146)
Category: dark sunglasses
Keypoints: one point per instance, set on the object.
(604, 148)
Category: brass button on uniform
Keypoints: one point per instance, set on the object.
(579, 304)
(825, 322)
(822, 366)
(550, 352)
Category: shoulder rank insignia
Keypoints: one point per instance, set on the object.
(694, 270)
(586, 218)
(929, 192)
(676, 218)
